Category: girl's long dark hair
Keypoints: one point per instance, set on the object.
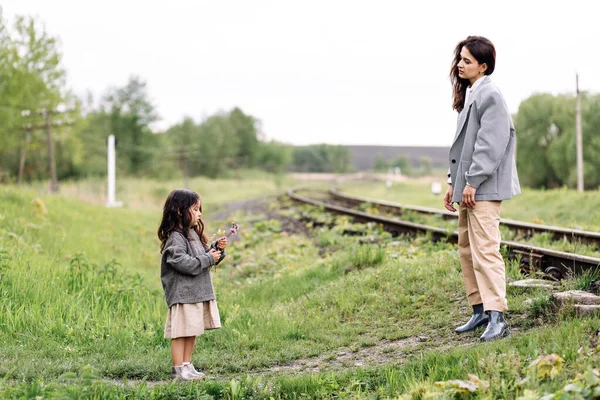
(176, 215)
(484, 52)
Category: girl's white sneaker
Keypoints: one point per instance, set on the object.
(194, 371)
(182, 373)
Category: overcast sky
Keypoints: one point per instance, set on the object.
(339, 72)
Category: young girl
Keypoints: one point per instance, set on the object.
(185, 275)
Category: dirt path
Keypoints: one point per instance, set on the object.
(385, 352)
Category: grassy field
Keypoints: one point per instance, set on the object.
(307, 311)
(150, 195)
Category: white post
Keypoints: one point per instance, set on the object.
(112, 174)
(578, 138)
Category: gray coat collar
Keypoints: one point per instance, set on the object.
(462, 117)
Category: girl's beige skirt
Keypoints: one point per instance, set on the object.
(185, 320)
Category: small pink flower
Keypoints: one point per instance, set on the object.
(235, 227)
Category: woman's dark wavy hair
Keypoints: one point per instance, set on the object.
(176, 214)
(484, 52)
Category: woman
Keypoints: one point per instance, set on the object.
(482, 174)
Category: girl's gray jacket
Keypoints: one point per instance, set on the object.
(185, 269)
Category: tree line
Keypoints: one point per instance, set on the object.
(46, 129)
(404, 165)
(36, 106)
(546, 140)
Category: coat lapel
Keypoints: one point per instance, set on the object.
(462, 117)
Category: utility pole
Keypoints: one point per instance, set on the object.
(51, 162)
(186, 171)
(47, 125)
(579, 140)
(24, 155)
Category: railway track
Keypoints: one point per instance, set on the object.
(523, 229)
(556, 264)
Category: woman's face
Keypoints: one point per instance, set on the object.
(468, 67)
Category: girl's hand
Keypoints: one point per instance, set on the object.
(222, 243)
(216, 254)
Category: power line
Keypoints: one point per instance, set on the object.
(14, 107)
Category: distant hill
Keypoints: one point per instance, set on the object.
(363, 157)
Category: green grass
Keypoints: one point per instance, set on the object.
(82, 311)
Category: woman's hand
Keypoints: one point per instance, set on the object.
(222, 243)
(468, 197)
(448, 200)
